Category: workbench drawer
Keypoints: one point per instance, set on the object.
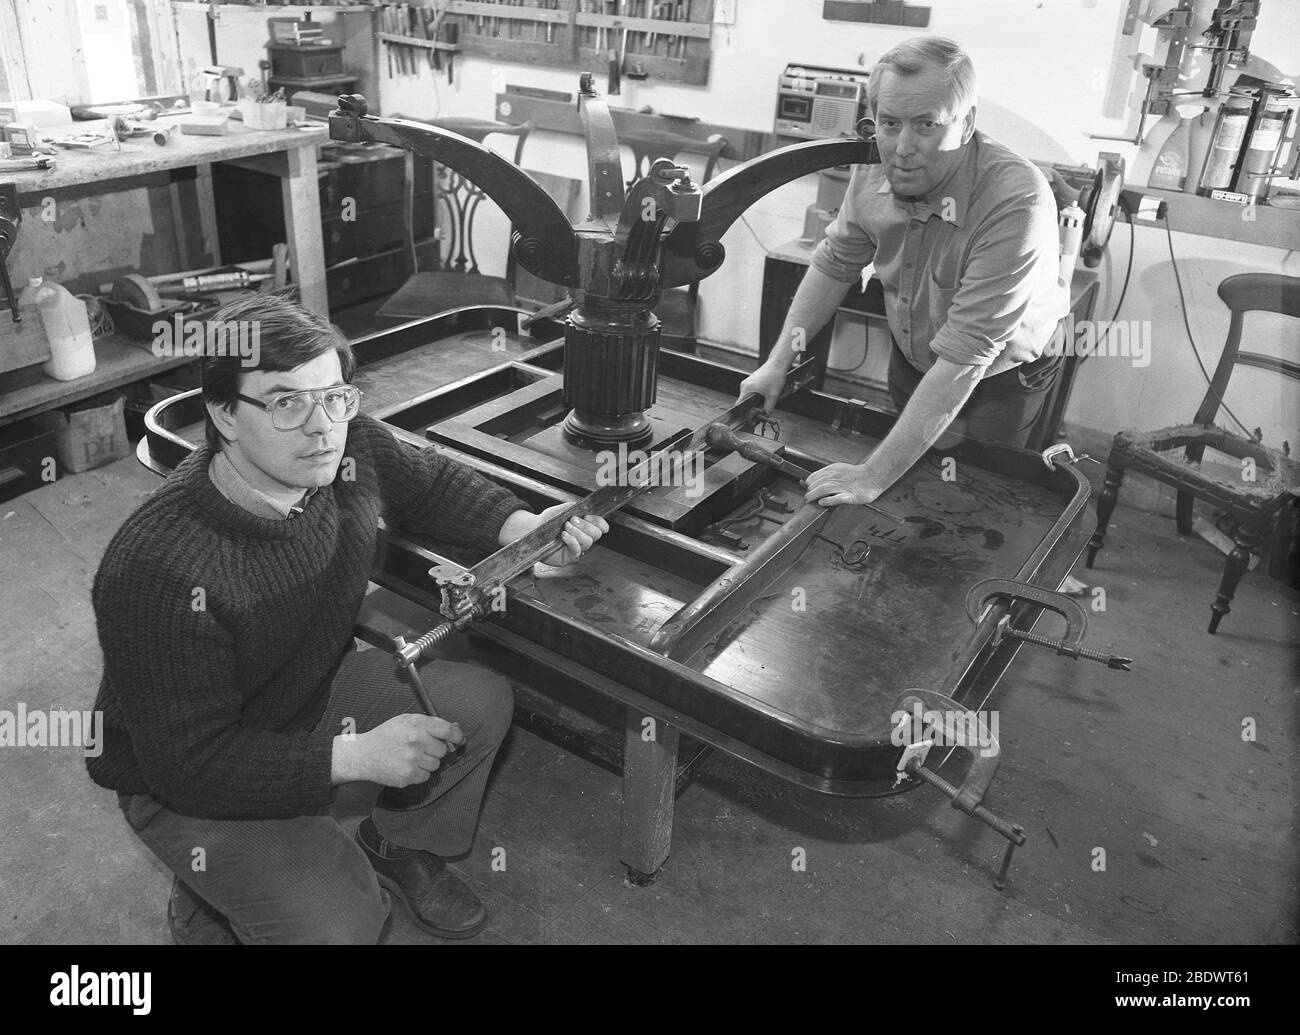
(379, 230)
(366, 178)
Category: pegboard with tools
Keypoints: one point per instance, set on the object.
(416, 37)
(632, 39)
(640, 39)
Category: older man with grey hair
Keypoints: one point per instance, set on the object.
(963, 236)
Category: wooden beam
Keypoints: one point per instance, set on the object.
(301, 193)
(562, 117)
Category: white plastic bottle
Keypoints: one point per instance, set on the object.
(72, 350)
(33, 331)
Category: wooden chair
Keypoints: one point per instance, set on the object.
(457, 282)
(679, 307)
(1257, 486)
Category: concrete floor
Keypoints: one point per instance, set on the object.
(1197, 825)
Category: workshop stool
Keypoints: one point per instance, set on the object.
(1263, 480)
(457, 282)
(678, 309)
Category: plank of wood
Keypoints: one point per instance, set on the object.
(301, 193)
(208, 214)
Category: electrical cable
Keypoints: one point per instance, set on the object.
(745, 219)
(1182, 301)
(1128, 271)
(101, 322)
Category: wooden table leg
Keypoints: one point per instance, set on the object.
(208, 213)
(301, 193)
(649, 785)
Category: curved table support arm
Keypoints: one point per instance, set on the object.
(693, 250)
(604, 162)
(544, 244)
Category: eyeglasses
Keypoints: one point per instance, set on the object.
(294, 409)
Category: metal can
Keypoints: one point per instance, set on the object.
(1225, 145)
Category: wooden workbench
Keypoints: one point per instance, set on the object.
(291, 153)
(118, 361)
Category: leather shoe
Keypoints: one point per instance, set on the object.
(438, 900)
(193, 922)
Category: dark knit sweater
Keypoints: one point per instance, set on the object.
(221, 630)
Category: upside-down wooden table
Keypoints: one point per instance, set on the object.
(720, 606)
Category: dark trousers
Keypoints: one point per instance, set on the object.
(305, 880)
(1003, 408)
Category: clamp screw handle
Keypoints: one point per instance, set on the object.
(1000, 881)
(1109, 660)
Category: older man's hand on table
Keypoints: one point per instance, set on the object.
(836, 484)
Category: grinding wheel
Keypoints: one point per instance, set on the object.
(1100, 203)
(134, 290)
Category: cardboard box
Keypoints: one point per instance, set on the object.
(92, 433)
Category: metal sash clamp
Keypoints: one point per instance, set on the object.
(460, 608)
(984, 766)
(982, 595)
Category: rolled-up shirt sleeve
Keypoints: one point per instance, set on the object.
(847, 246)
(1011, 271)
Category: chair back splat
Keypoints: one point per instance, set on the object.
(458, 198)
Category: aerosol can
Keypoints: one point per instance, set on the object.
(1071, 222)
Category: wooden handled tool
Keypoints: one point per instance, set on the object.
(722, 437)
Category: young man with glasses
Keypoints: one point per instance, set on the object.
(233, 702)
(963, 236)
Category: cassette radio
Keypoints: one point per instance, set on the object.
(816, 103)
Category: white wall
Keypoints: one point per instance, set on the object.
(1043, 67)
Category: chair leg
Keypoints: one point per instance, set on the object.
(1247, 542)
(1183, 513)
(1105, 507)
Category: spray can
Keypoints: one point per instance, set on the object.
(1071, 220)
(1261, 150)
(1225, 146)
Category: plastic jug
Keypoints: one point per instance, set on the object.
(72, 350)
(32, 328)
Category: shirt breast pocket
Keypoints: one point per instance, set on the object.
(939, 300)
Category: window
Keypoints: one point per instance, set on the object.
(117, 50)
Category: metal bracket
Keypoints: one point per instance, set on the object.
(765, 422)
(455, 584)
(1064, 449)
